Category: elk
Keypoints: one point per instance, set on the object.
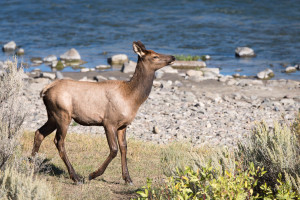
(112, 104)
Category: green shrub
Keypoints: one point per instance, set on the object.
(204, 184)
(16, 185)
(276, 149)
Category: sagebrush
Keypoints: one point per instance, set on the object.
(11, 111)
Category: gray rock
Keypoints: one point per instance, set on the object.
(58, 75)
(266, 74)
(71, 55)
(244, 52)
(118, 59)
(128, 67)
(188, 64)
(50, 58)
(290, 69)
(10, 46)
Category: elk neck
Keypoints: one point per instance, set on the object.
(141, 82)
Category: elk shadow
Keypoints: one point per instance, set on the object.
(47, 167)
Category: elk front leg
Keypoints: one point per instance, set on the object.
(111, 135)
(123, 150)
(59, 141)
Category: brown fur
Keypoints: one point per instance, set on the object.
(112, 104)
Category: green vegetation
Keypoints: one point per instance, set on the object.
(182, 57)
(187, 57)
(267, 166)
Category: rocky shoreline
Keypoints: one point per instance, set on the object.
(218, 110)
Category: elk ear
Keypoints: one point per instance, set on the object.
(139, 48)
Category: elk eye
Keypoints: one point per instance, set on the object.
(155, 57)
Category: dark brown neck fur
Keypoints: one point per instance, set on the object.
(141, 82)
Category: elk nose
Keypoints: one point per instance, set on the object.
(173, 58)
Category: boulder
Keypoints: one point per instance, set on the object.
(128, 67)
(118, 59)
(50, 58)
(20, 52)
(71, 55)
(290, 69)
(11, 46)
(266, 74)
(244, 52)
(188, 64)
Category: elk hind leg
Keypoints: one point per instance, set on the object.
(41, 133)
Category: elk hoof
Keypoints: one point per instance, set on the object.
(78, 180)
(91, 176)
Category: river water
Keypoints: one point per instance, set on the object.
(190, 27)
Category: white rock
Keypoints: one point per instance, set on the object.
(20, 51)
(128, 67)
(244, 52)
(118, 59)
(54, 63)
(71, 55)
(196, 73)
(84, 70)
(50, 58)
(11, 46)
(266, 74)
(290, 69)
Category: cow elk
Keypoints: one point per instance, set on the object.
(112, 104)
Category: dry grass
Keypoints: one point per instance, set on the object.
(86, 153)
